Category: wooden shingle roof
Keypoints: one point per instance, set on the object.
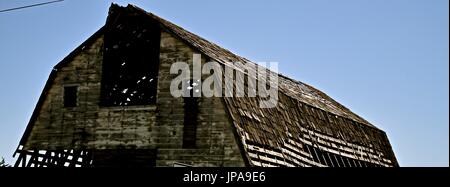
(302, 110)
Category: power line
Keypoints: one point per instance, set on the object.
(28, 6)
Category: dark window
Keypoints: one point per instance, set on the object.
(70, 96)
(190, 117)
(130, 62)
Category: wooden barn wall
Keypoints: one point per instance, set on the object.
(216, 144)
(159, 127)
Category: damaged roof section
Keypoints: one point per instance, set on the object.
(291, 87)
(302, 110)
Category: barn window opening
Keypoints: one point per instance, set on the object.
(130, 62)
(190, 116)
(70, 96)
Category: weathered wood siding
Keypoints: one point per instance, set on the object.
(160, 126)
(216, 144)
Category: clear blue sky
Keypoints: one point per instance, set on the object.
(386, 60)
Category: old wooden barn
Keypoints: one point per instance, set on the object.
(108, 103)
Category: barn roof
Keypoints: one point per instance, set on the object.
(301, 108)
